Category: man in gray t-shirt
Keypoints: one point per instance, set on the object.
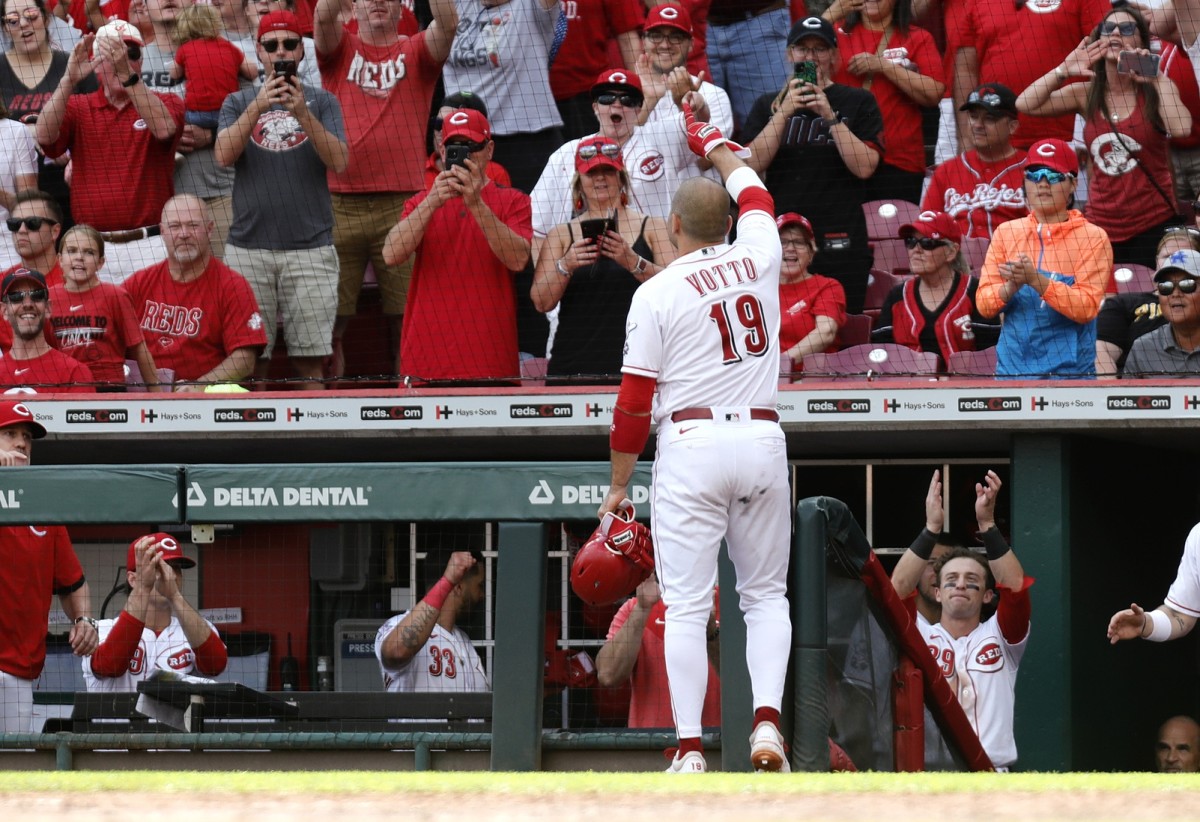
(281, 139)
(1173, 349)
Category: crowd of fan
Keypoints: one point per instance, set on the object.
(185, 181)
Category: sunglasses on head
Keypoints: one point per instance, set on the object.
(32, 223)
(40, 295)
(272, 46)
(926, 243)
(607, 149)
(1127, 28)
(14, 19)
(1182, 229)
(1038, 175)
(627, 100)
(1186, 285)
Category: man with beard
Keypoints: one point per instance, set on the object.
(198, 315)
(31, 362)
(424, 650)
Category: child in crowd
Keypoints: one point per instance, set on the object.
(94, 322)
(210, 64)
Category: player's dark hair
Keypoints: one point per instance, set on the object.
(959, 552)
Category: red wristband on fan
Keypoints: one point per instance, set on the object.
(629, 432)
(436, 597)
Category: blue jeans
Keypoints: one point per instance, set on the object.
(749, 59)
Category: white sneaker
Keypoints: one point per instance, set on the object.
(690, 762)
(767, 753)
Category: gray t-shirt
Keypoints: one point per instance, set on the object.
(281, 194)
(1156, 353)
(198, 173)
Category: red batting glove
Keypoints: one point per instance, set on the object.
(704, 137)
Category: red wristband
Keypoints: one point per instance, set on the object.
(436, 597)
(629, 432)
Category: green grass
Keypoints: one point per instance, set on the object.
(580, 783)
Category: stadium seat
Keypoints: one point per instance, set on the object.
(533, 371)
(884, 217)
(786, 369)
(890, 256)
(855, 331)
(1132, 278)
(972, 363)
(974, 249)
(133, 375)
(879, 284)
(870, 362)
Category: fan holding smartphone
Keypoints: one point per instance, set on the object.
(590, 267)
(1130, 110)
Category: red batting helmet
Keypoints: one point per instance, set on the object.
(617, 558)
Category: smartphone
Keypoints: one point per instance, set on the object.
(287, 68)
(594, 228)
(1145, 65)
(457, 154)
(806, 72)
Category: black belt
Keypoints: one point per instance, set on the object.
(728, 18)
(707, 414)
(133, 235)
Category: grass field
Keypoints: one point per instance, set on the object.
(353, 796)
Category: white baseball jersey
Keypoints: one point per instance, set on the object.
(447, 662)
(720, 112)
(982, 670)
(657, 160)
(1184, 595)
(169, 650)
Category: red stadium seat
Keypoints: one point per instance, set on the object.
(855, 331)
(533, 371)
(1132, 278)
(879, 284)
(972, 363)
(870, 362)
(890, 256)
(884, 217)
(975, 250)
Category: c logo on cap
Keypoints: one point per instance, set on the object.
(22, 409)
(618, 77)
(1046, 150)
(170, 544)
(459, 118)
(812, 23)
(668, 13)
(927, 216)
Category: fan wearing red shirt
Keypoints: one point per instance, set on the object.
(811, 308)
(31, 362)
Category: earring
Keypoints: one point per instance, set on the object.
(624, 196)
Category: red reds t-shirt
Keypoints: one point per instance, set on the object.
(591, 25)
(37, 562)
(51, 373)
(914, 50)
(1015, 44)
(97, 327)
(801, 303)
(458, 283)
(211, 70)
(123, 176)
(192, 327)
(386, 93)
(112, 10)
(979, 195)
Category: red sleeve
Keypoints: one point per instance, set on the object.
(518, 214)
(211, 656)
(112, 658)
(636, 394)
(126, 318)
(1014, 611)
(619, 618)
(410, 205)
(1093, 12)
(66, 134)
(625, 15)
(68, 573)
(923, 52)
(831, 301)
(756, 198)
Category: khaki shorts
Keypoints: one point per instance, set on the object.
(301, 286)
(361, 223)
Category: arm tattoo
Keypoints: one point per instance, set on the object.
(414, 635)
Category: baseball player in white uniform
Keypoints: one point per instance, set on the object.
(424, 650)
(705, 332)
(1177, 615)
(979, 658)
(157, 629)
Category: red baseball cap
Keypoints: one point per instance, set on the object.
(466, 122)
(596, 151)
(675, 17)
(279, 20)
(169, 548)
(18, 413)
(792, 218)
(618, 81)
(936, 225)
(1055, 155)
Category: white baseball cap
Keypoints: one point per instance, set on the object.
(120, 30)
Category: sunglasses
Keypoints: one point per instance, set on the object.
(472, 147)
(607, 149)
(32, 223)
(926, 243)
(272, 46)
(40, 295)
(627, 100)
(1038, 175)
(1186, 285)
(15, 19)
(1127, 29)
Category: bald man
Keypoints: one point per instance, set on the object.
(1178, 746)
(704, 331)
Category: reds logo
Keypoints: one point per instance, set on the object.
(651, 167)
(618, 77)
(1114, 155)
(668, 13)
(376, 79)
(989, 655)
(278, 131)
(1043, 6)
(181, 660)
